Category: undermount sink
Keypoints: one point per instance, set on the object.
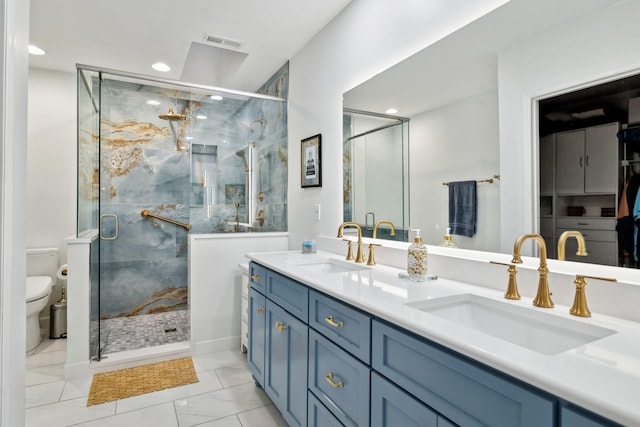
(527, 327)
(330, 265)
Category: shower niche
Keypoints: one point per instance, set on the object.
(158, 160)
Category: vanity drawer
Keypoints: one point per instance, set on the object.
(289, 294)
(463, 391)
(346, 326)
(340, 381)
(393, 407)
(319, 416)
(257, 277)
(586, 223)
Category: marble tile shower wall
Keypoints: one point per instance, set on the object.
(191, 171)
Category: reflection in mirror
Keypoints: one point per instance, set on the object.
(588, 151)
(375, 172)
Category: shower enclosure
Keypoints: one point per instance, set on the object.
(376, 172)
(157, 160)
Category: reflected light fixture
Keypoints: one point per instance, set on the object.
(153, 102)
(161, 66)
(35, 50)
(391, 111)
(217, 97)
(201, 117)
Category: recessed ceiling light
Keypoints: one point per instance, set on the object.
(35, 50)
(153, 102)
(391, 111)
(201, 117)
(217, 97)
(161, 66)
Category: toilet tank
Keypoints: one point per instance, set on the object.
(42, 262)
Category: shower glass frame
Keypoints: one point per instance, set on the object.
(258, 172)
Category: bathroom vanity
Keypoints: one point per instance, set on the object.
(336, 343)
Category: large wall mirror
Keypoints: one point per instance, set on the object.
(460, 94)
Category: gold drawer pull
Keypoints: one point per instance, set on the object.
(329, 320)
(280, 327)
(329, 379)
(255, 278)
(260, 310)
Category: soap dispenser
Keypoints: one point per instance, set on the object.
(448, 242)
(417, 260)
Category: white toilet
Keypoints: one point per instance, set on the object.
(42, 264)
(38, 293)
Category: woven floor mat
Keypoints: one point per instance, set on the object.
(110, 386)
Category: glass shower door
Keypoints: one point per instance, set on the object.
(144, 212)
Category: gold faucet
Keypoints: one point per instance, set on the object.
(512, 285)
(371, 260)
(562, 241)
(579, 307)
(389, 223)
(359, 257)
(543, 297)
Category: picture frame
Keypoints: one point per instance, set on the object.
(311, 162)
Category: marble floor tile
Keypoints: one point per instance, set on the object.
(217, 360)
(219, 404)
(208, 382)
(44, 374)
(225, 396)
(157, 416)
(67, 413)
(234, 375)
(267, 416)
(43, 394)
(46, 358)
(231, 421)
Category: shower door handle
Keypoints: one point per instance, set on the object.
(116, 230)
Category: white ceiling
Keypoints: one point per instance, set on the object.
(131, 35)
(465, 63)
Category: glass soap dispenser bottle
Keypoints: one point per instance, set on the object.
(417, 260)
(448, 242)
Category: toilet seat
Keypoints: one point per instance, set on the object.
(38, 287)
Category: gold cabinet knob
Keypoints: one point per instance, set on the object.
(255, 278)
(329, 378)
(281, 327)
(330, 321)
(260, 310)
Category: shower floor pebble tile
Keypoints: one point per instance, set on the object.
(147, 330)
(225, 396)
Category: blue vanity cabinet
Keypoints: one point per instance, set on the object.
(459, 389)
(344, 325)
(572, 416)
(257, 277)
(393, 407)
(257, 337)
(340, 381)
(320, 416)
(286, 363)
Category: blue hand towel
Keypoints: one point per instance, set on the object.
(462, 208)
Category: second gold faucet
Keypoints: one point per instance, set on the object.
(543, 296)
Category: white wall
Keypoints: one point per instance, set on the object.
(14, 63)
(51, 159)
(598, 47)
(457, 142)
(365, 39)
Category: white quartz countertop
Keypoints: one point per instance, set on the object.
(602, 376)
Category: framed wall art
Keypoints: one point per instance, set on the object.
(311, 162)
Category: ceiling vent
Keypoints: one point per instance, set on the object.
(222, 41)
